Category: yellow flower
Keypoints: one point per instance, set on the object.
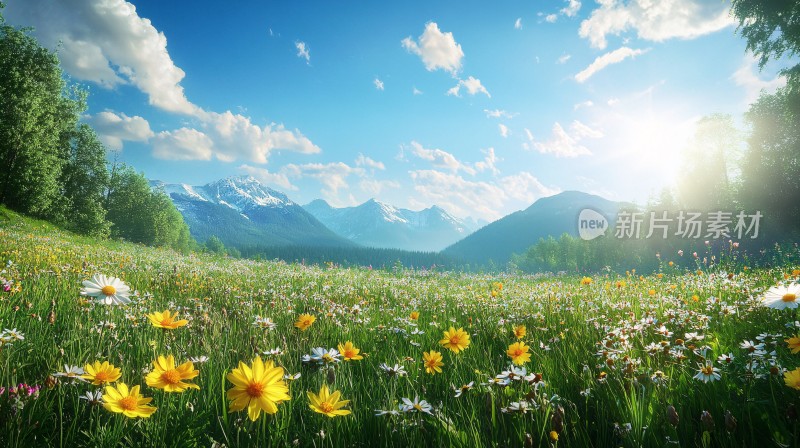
(792, 379)
(455, 340)
(166, 376)
(257, 387)
(166, 320)
(518, 352)
(794, 343)
(327, 403)
(586, 281)
(620, 284)
(128, 402)
(304, 321)
(433, 362)
(652, 292)
(414, 315)
(99, 374)
(554, 436)
(350, 352)
(520, 331)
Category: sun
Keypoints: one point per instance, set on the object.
(655, 145)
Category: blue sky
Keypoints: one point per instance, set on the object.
(479, 107)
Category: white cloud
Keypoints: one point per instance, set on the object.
(601, 62)
(572, 8)
(462, 197)
(563, 59)
(378, 84)
(612, 101)
(265, 176)
(489, 163)
(106, 42)
(497, 113)
(587, 103)
(748, 78)
(438, 50)
(112, 129)
(236, 137)
(472, 85)
(551, 18)
(182, 144)
(363, 160)
(563, 143)
(303, 51)
(503, 130)
(518, 24)
(333, 177)
(416, 91)
(373, 187)
(655, 20)
(440, 158)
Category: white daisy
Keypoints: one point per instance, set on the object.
(416, 405)
(781, 297)
(707, 373)
(107, 290)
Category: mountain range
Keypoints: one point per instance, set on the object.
(376, 224)
(242, 212)
(548, 216)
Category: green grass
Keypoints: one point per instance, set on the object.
(570, 325)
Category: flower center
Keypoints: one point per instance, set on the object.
(166, 322)
(101, 376)
(789, 297)
(708, 370)
(325, 407)
(109, 290)
(349, 353)
(455, 340)
(128, 403)
(255, 390)
(171, 377)
(517, 352)
(417, 406)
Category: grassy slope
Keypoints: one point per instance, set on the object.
(565, 322)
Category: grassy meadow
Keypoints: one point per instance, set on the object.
(615, 359)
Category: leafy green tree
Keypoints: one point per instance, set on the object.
(215, 245)
(37, 113)
(143, 215)
(84, 181)
(772, 163)
(772, 30)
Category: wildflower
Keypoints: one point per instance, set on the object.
(725, 358)
(166, 320)
(781, 297)
(264, 322)
(128, 402)
(304, 321)
(107, 290)
(277, 351)
(396, 370)
(464, 388)
(327, 403)
(170, 378)
(518, 352)
(586, 281)
(71, 372)
(707, 373)
(518, 406)
(320, 356)
(198, 359)
(520, 331)
(99, 374)
(350, 352)
(455, 340)
(793, 343)
(416, 406)
(433, 362)
(259, 387)
(414, 315)
(93, 397)
(553, 436)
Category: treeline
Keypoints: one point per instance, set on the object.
(725, 170)
(56, 168)
(350, 256)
